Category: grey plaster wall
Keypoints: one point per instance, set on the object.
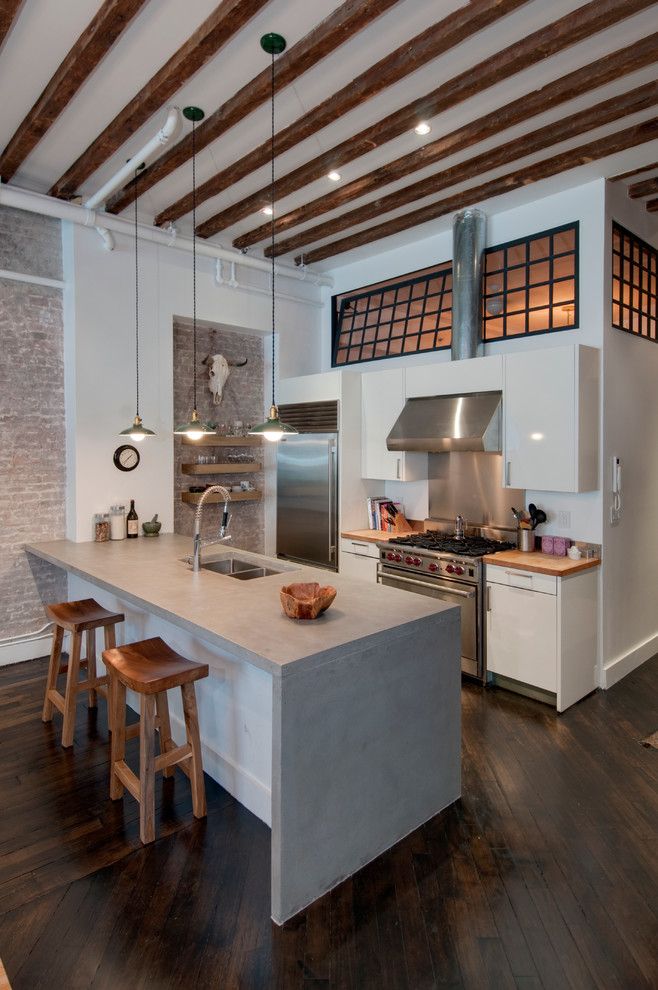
(242, 400)
(32, 451)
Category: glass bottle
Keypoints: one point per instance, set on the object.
(117, 522)
(133, 522)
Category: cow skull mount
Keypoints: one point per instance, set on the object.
(219, 368)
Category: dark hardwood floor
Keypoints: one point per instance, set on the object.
(545, 874)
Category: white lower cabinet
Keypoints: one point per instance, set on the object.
(542, 631)
(358, 560)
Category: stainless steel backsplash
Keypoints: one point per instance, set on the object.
(469, 483)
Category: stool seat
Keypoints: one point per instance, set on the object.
(151, 666)
(79, 616)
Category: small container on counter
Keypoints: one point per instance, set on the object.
(117, 522)
(560, 546)
(101, 527)
(525, 540)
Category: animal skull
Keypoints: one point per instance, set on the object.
(218, 371)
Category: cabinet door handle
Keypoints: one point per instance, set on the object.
(397, 469)
(488, 598)
(508, 473)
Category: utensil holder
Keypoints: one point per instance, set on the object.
(525, 540)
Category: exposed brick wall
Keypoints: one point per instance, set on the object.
(242, 400)
(32, 428)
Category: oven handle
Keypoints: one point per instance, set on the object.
(427, 584)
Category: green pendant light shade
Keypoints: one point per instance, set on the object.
(273, 429)
(137, 432)
(193, 428)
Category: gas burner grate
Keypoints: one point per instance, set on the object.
(469, 546)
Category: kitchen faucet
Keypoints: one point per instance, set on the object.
(211, 490)
(459, 528)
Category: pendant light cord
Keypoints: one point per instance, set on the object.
(272, 228)
(194, 256)
(136, 299)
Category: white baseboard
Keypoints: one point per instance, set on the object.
(20, 650)
(624, 664)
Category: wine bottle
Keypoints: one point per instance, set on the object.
(132, 521)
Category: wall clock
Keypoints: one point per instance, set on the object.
(126, 458)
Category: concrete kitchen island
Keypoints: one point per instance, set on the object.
(343, 733)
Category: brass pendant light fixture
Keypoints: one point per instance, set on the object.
(273, 429)
(193, 428)
(137, 432)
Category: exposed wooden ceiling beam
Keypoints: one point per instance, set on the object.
(630, 137)
(505, 154)
(589, 77)
(215, 32)
(95, 41)
(638, 190)
(409, 57)
(352, 16)
(567, 31)
(652, 206)
(8, 13)
(634, 171)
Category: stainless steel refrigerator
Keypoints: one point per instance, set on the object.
(307, 496)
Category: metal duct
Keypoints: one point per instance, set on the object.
(468, 242)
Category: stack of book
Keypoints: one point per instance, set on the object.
(382, 512)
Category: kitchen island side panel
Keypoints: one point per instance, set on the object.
(365, 749)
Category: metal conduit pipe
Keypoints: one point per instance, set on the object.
(22, 199)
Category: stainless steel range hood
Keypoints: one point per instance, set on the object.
(472, 421)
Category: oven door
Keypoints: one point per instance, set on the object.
(454, 593)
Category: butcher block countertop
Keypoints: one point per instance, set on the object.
(540, 563)
(368, 535)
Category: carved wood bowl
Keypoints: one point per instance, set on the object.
(306, 601)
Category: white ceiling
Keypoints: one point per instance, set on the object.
(41, 37)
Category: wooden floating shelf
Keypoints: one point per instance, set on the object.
(214, 440)
(193, 498)
(245, 468)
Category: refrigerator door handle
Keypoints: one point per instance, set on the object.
(332, 508)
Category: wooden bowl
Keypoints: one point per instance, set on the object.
(306, 601)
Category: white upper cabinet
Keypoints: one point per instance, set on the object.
(551, 415)
(382, 401)
(482, 374)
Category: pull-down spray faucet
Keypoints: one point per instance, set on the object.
(212, 490)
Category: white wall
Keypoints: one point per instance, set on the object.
(584, 203)
(100, 362)
(630, 548)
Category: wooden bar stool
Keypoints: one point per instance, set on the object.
(77, 618)
(151, 668)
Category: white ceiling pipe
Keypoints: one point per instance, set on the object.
(170, 130)
(22, 199)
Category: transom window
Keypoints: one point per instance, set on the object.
(530, 286)
(634, 284)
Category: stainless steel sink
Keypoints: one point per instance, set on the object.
(236, 567)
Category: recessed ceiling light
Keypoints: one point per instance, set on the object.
(267, 210)
(422, 128)
(334, 176)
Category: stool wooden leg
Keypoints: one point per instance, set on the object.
(166, 742)
(192, 729)
(53, 671)
(91, 665)
(109, 643)
(147, 768)
(117, 706)
(71, 695)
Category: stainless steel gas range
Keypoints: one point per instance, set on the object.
(449, 568)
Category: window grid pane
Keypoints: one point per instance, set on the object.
(634, 284)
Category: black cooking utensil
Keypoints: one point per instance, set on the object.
(540, 517)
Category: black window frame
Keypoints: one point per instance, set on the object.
(643, 246)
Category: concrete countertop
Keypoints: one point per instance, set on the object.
(244, 617)
(540, 563)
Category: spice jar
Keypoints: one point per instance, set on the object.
(101, 527)
(117, 522)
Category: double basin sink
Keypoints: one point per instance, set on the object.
(237, 567)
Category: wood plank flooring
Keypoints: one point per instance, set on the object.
(544, 875)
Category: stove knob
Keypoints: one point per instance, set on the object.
(408, 560)
(459, 570)
(450, 569)
(417, 561)
(398, 558)
(433, 567)
(390, 556)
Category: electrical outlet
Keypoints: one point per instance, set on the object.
(564, 519)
